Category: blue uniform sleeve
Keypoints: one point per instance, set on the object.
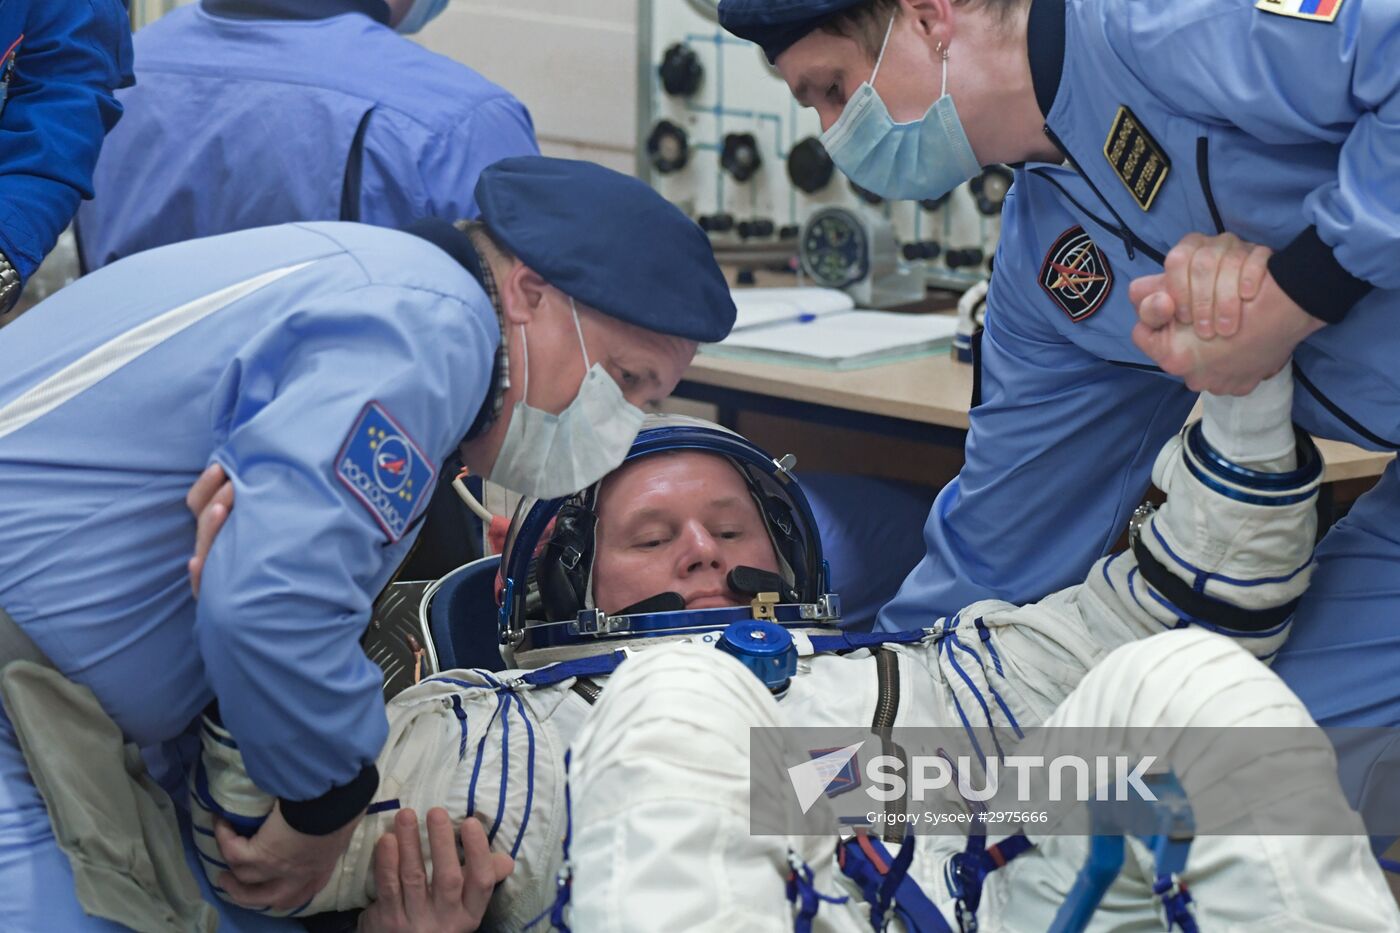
(1283, 79)
(73, 57)
(1059, 453)
(498, 129)
(312, 538)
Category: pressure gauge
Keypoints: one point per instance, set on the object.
(834, 249)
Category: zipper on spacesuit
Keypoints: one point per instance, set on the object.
(1131, 241)
(886, 709)
(588, 689)
(887, 702)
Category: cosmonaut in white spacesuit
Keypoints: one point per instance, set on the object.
(648, 571)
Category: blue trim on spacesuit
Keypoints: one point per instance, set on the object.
(985, 634)
(480, 751)
(1188, 619)
(1208, 575)
(461, 715)
(502, 703)
(226, 741)
(244, 825)
(893, 889)
(947, 649)
(1015, 726)
(1224, 467)
(529, 775)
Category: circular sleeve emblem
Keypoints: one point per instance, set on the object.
(1076, 274)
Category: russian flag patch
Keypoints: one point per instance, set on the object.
(1322, 11)
(385, 470)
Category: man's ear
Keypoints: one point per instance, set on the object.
(522, 293)
(932, 19)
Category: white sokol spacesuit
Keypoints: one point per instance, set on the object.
(656, 813)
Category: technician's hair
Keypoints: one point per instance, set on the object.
(485, 241)
(866, 22)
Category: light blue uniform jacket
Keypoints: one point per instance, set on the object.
(263, 351)
(237, 123)
(1278, 129)
(1282, 130)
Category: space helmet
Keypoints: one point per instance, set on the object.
(547, 611)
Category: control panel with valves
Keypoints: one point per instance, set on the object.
(720, 136)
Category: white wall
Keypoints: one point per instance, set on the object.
(572, 62)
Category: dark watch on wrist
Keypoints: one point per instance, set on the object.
(10, 284)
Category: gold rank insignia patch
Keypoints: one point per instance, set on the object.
(1136, 158)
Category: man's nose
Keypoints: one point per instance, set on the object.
(702, 550)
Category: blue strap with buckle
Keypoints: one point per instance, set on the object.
(598, 665)
(887, 887)
(967, 872)
(802, 893)
(850, 641)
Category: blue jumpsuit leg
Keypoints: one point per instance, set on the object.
(1343, 655)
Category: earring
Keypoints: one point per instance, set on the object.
(938, 47)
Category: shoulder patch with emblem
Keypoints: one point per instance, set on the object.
(385, 470)
(1076, 274)
(1322, 11)
(1136, 158)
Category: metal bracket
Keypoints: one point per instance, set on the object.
(826, 609)
(1137, 520)
(598, 622)
(762, 606)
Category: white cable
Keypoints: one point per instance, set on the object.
(479, 510)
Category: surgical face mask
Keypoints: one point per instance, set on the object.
(549, 456)
(924, 159)
(419, 15)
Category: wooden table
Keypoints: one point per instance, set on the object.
(922, 400)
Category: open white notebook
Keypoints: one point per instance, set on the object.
(822, 327)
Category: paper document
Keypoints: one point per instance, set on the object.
(842, 340)
(761, 306)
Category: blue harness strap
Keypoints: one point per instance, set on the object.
(967, 871)
(1176, 900)
(886, 885)
(802, 893)
(598, 665)
(1170, 852)
(850, 641)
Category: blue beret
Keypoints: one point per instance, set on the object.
(776, 24)
(609, 241)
